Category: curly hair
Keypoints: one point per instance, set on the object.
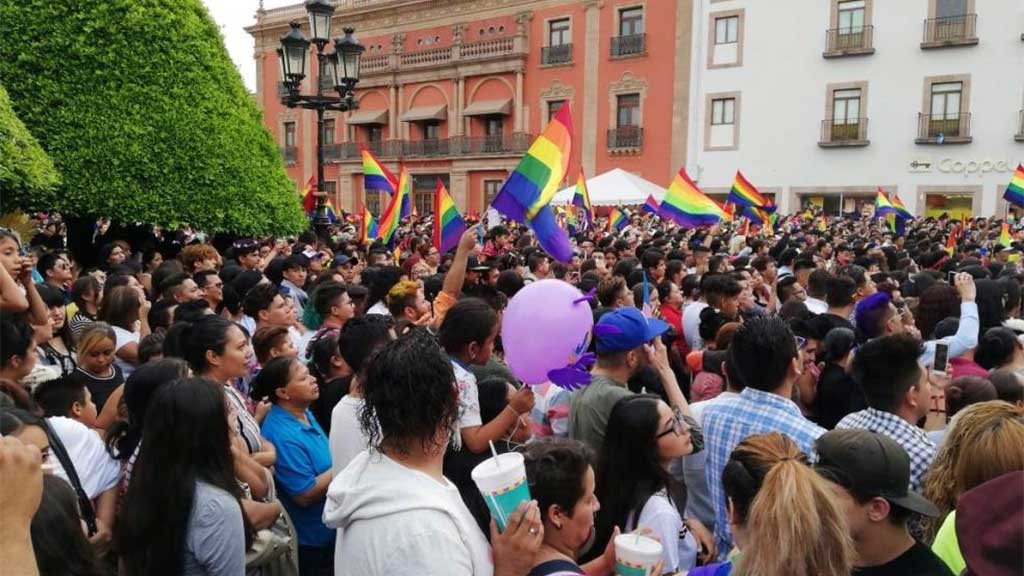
(410, 394)
(196, 253)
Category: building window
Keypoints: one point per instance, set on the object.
(723, 111)
(431, 130)
(845, 109)
(950, 8)
(558, 32)
(727, 30)
(851, 17)
(553, 107)
(627, 108)
(494, 126)
(328, 135)
(945, 112)
(852, 205)
(374, 133)
(631, 21)
(950, 23)
(289, 134)
(330, 188)
(491, 188)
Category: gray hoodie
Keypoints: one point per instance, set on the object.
(395, 520)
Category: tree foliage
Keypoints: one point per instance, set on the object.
(27, 175)
(144, 114)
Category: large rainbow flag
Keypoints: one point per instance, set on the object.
(391, 216)
(368, 227)
(526, 195)
(901, 208)
(404, 180)
(1015, 191)
(651, 205)
(1005, 240)
(375, 175)
(617, 220)
(687, 206)
(448, 223)
(581, 198)
(743, 193)
(882, 205)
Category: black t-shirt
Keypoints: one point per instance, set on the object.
(330, 394)
(838, 395)
(100, 388)
(918, 560)
(555, 567)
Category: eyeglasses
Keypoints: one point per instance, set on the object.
(679, 427)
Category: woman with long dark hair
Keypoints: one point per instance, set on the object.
(634, 485)
(59, 350)
(126, 310)
(181, 514)
(57, 539)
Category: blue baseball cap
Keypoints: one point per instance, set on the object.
(626, 328)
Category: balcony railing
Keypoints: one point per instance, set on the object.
(515, 143)
(429, 57)
(487, 48)
(943, 128)
(290, 154)
(626, 138)
(561, 54)
(849, 132)
(848, 41)
(1020, 128)
(632, 45)
(950, 31)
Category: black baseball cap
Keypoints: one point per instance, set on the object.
(870, 464)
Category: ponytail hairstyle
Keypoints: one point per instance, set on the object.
(794, 523)
(191, 340)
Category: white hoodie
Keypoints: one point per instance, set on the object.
(396, 520)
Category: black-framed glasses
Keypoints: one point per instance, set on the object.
(679, 427)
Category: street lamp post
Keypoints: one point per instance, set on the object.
(341, 71)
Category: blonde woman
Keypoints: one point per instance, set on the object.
(984, 442)
(783, 516)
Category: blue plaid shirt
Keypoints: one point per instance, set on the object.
(731, 421)
(914, 440)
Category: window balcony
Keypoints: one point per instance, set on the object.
(1020, 128)
(625, 139)
(852, 132)
(556, 55)
(943, 129)
(515, 143)
(503, 144)
(849, 42)
(427, 148)
(950, 31)
(443, 56)
(626, 46)
(290, 154)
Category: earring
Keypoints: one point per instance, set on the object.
(558, 526)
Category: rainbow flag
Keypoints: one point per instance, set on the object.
(759, 216)
(1015, 191)
(951, 240)
(901, 208)
(823, 225)
(687, 206)
(368, 228)
(332, 216)
(617, 220)
(375, 175)
(391, 216)
(581, 198)
(651, 205)
(743, 193)
(448, 223)
(571, 223)
(526, 195)
(404, 180)
(309, 195)
(1004, 236)
(882, 205)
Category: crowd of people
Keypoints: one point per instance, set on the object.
(808, 400)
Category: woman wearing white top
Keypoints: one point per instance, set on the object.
(126, 311)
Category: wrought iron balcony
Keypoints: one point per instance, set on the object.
(561, 54)
(632, 45)
(432, 147)
(849, 41)
(625, 138)
(943, 129)
(844, 133)
(512, 144)
(959, 30)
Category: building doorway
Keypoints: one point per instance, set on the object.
(955, 206)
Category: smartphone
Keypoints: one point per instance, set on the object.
(940, 365)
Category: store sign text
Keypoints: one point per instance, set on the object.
(978, 167)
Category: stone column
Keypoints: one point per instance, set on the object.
(460, 190)
(395, 94)
(591, 59)
(460, 99)
(348, 201)
(681, 86)
(519, 100)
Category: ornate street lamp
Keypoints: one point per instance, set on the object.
(339, 69)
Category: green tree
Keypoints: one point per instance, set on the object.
(144, 115)
(27, 176)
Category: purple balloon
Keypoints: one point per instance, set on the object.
(545, 329)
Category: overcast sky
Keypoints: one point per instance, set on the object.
(233, 16)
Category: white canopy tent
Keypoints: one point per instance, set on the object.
(614, 188)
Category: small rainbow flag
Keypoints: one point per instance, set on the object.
(1015, 191)
(743, 193)
(309, 195)
(526, 195)
(375, 175)
(823, 225)
(687, 206)
(581, 198)
(332, 216)
(1004, 236)
(651, 205)
(617, 220)
(571, 223)
(405, 181)
(368, 228)
(951, 240)
(448, 223)
(389, 220)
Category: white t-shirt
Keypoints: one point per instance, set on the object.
(815, 305)
(469, 397)
(124, 337)
(691, 324)
(96, 470)
(379, 308)
(679, 549)
(347, 439)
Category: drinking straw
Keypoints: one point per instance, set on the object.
(494, 453)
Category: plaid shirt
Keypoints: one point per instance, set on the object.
(731, 421)
(920, 449)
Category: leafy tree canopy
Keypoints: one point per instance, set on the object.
(27, 175)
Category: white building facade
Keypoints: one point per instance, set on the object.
(824, 101)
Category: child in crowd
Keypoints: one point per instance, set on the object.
(96, 368)
(69, 398)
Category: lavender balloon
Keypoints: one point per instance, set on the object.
(545, 330)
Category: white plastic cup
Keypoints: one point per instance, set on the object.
(636, 555)
(502, 482)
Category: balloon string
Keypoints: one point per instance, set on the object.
(586, 297)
